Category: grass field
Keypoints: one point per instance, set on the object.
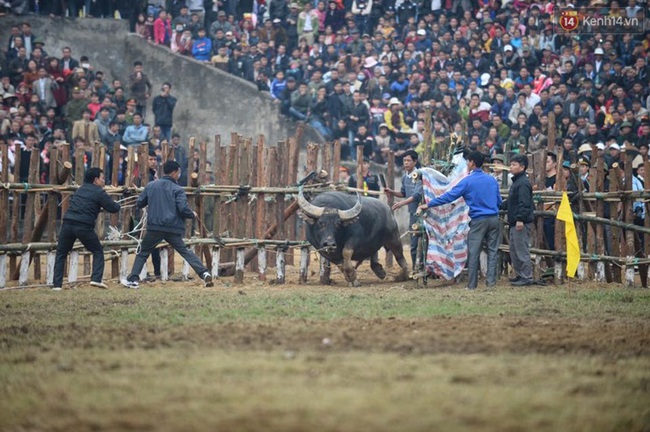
(310, 358)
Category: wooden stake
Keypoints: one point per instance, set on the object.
(124, 264)
(164, 264)
(335, 174)
(3, 269)
(216, 259)
(325, 271)
(24, 269)
(49, 266)
(115, 217)
(261, 263)
(304, 264)
(280, 266)
(74, 267)
(239, 265)
(359, 167)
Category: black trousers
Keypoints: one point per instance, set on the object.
(70, 232)
(149, 243)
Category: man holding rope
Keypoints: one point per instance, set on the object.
(79, 223)
(167, 211)
(481, 193)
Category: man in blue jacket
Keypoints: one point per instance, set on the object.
(79, 223)
(137, 133)
(167, 211)
(481, 193)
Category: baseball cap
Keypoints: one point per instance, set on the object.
(599, 51)
(614, 147)
(422, 32)
(507, 48)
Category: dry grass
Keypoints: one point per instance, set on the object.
(380, 358)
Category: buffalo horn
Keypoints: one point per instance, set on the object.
(350, 214)
(308, 208)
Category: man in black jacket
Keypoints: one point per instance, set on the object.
(79, 223)
(167, 211)
(163, 110)
(520, 217)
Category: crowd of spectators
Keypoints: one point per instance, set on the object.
(362, 71)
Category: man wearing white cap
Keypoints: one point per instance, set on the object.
(598, 60)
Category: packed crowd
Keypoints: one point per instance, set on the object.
(362, 71)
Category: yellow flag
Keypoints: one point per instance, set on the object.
(565, 214)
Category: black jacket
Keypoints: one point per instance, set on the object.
(520, 200)
(168, 207)
(163, 109)
(86, 204)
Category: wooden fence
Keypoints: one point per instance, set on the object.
(247, 211)
(245, 203)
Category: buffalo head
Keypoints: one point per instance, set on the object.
(326, 221)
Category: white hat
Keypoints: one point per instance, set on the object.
(485, 79)
(600, 146)
(584, 148)
(599, 51)
(507, 48)
(394, 101)
(614, 147)
(637, 162)
(370, 62)
(422, 32)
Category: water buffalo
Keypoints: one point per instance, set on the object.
(344, 228)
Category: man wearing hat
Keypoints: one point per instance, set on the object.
(74, 109)
(370, 181)
(626, 135)
(499, 170)
(220, 24)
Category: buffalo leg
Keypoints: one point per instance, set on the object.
(376, 267)
(395, 246)
(348, 269)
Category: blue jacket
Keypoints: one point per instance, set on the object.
(202, 49)
(167, 206)
(277, 87)
(481, 193)
(135, 135)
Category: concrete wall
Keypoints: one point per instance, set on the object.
(209, 100)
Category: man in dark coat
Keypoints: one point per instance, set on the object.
(79, 223)
(167, 211)
(163, 111)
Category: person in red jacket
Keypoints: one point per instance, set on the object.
(162, 29)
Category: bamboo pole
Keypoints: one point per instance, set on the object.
(359, 167)
(427, 134)
(615, 184)
(261, 181)
(4, 204)
(336, 164)
(628, 216)
(15, 212)
(251, 211)
(559, 235)
(281, 180)
(293, 160)
(271, 213)
(390, 199)
(115, 217)
(243, 179)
